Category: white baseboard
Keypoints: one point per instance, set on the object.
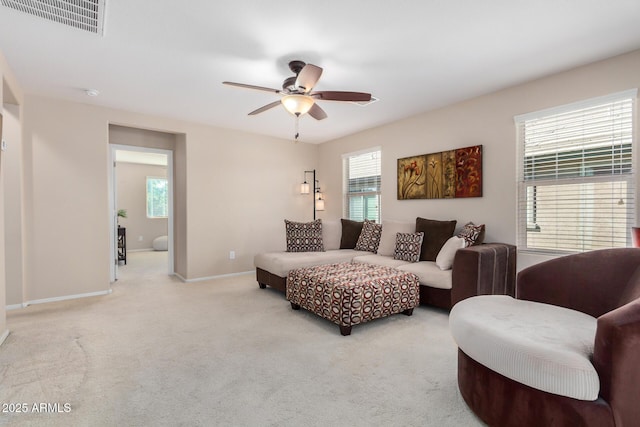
(55, 299)
(4, 336)
(220, 276)
(140, 250)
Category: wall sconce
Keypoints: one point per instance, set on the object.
(318, 201)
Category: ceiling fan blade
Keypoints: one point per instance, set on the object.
(342, 96)
(246, 86)
(317, 113)
(265, 108)
(308, 77)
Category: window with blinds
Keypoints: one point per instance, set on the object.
(157, 197)
(362, 175)
(576, 178)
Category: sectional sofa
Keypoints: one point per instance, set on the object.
(448, 269)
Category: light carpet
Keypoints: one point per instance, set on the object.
(222, 352)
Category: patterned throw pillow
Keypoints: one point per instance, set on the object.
(304, 236)
(369, 237)
(472, 234)
(408, 246)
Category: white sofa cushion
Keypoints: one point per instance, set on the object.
(390, 228)
(429, 274)
(280, 263)
(540, 345)
(387, 261)
(331, 234)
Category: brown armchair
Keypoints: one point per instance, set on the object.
(604, 284)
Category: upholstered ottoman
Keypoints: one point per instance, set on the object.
(351, 293)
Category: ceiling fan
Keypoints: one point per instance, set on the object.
(299, 97)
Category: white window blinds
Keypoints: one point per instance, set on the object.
(576, 188)
(157, 197)
(362, 179)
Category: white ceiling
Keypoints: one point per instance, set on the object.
(169, 58)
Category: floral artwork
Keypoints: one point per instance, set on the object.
(412, 178)
(444, 175)
(449, 174)
(434, 176)
(469, 172)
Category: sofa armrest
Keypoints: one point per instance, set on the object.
(483, 269)
(615, 357)
(591, 282)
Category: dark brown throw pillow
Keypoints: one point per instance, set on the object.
(350, 232)
(436, 234)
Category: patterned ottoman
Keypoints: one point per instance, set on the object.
(352, 293)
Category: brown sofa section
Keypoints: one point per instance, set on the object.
(265, 279)
(484, 269)
(488, 269)
(604, 284)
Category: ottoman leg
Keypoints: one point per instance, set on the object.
(262, 285)
(345, 330)
(295, 306)
(408, 312)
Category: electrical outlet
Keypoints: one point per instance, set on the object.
(232, 254)
(140, 238)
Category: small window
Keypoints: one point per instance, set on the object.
(576, 180)
(157, 198)
(362, 185)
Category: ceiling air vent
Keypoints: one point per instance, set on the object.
(364, 104)
(85, 15)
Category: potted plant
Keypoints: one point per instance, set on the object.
(122, 213)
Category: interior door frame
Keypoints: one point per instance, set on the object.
(113, 213)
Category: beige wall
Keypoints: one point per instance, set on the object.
(180, 250)
(240, 187)
(486, 120)
(132, 196)
(3, 315)
(125, 135)
(13, 205)
(235, 189)
(11, 96)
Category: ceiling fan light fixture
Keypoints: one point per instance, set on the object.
(297, 105)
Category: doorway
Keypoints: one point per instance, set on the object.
(140, 203)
